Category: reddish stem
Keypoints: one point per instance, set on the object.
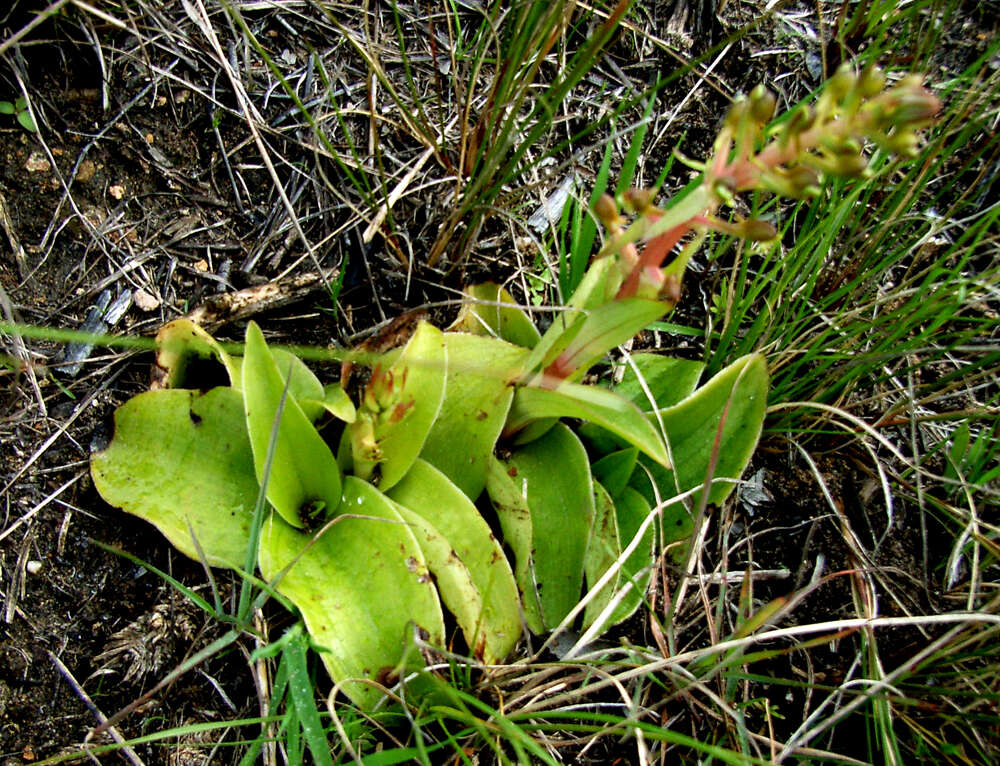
(558, 371)
(653, 255)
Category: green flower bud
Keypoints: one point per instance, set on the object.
(797, 182)
(762, 104)
(738, 112)
(839, 144)
(758, 230)
(871, 82)
(915, 105)
(849, 146)
(842, 82)
(904, 143)
(364, 445)
(805, 181)
(640, 200)
(810, 192)
(606, 210)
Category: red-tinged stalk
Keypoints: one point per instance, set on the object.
(791, 159)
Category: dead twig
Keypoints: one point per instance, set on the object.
(231, 307)
(127, 751)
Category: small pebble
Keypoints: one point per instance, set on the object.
(145, 301)
(33, 566)
(86, 171)
(37, 163)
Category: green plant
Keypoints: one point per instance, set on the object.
(20, 109)
(375, 522)
(362, 541)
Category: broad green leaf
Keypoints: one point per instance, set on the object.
(599, 284)
(534, 428)
(614, 470)
(575, 341)
(490, 310)
(304, 387)
(348, 437)
(334, 401)
(606, 327)
(400, 406)
(479, 389)
(490, 614)
(362, 586)
(564, 328)
(600, 440)
(304, 482)
(188, 357)
(508, 496)
(725, 416)
(26, 122)
(451, 576)
(676, 519)
(186, 353)
(554, 477)
(182, 461)
(603, 549)
(592, 404)
(668, 380)
(6, 107)
(631, 510)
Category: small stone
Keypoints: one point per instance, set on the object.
(86, 171)
(145, 301)
(33, 567)
(200, 265)
(117, 191)
(37, 163)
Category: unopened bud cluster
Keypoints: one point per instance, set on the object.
(828, 138)
(789, 158)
